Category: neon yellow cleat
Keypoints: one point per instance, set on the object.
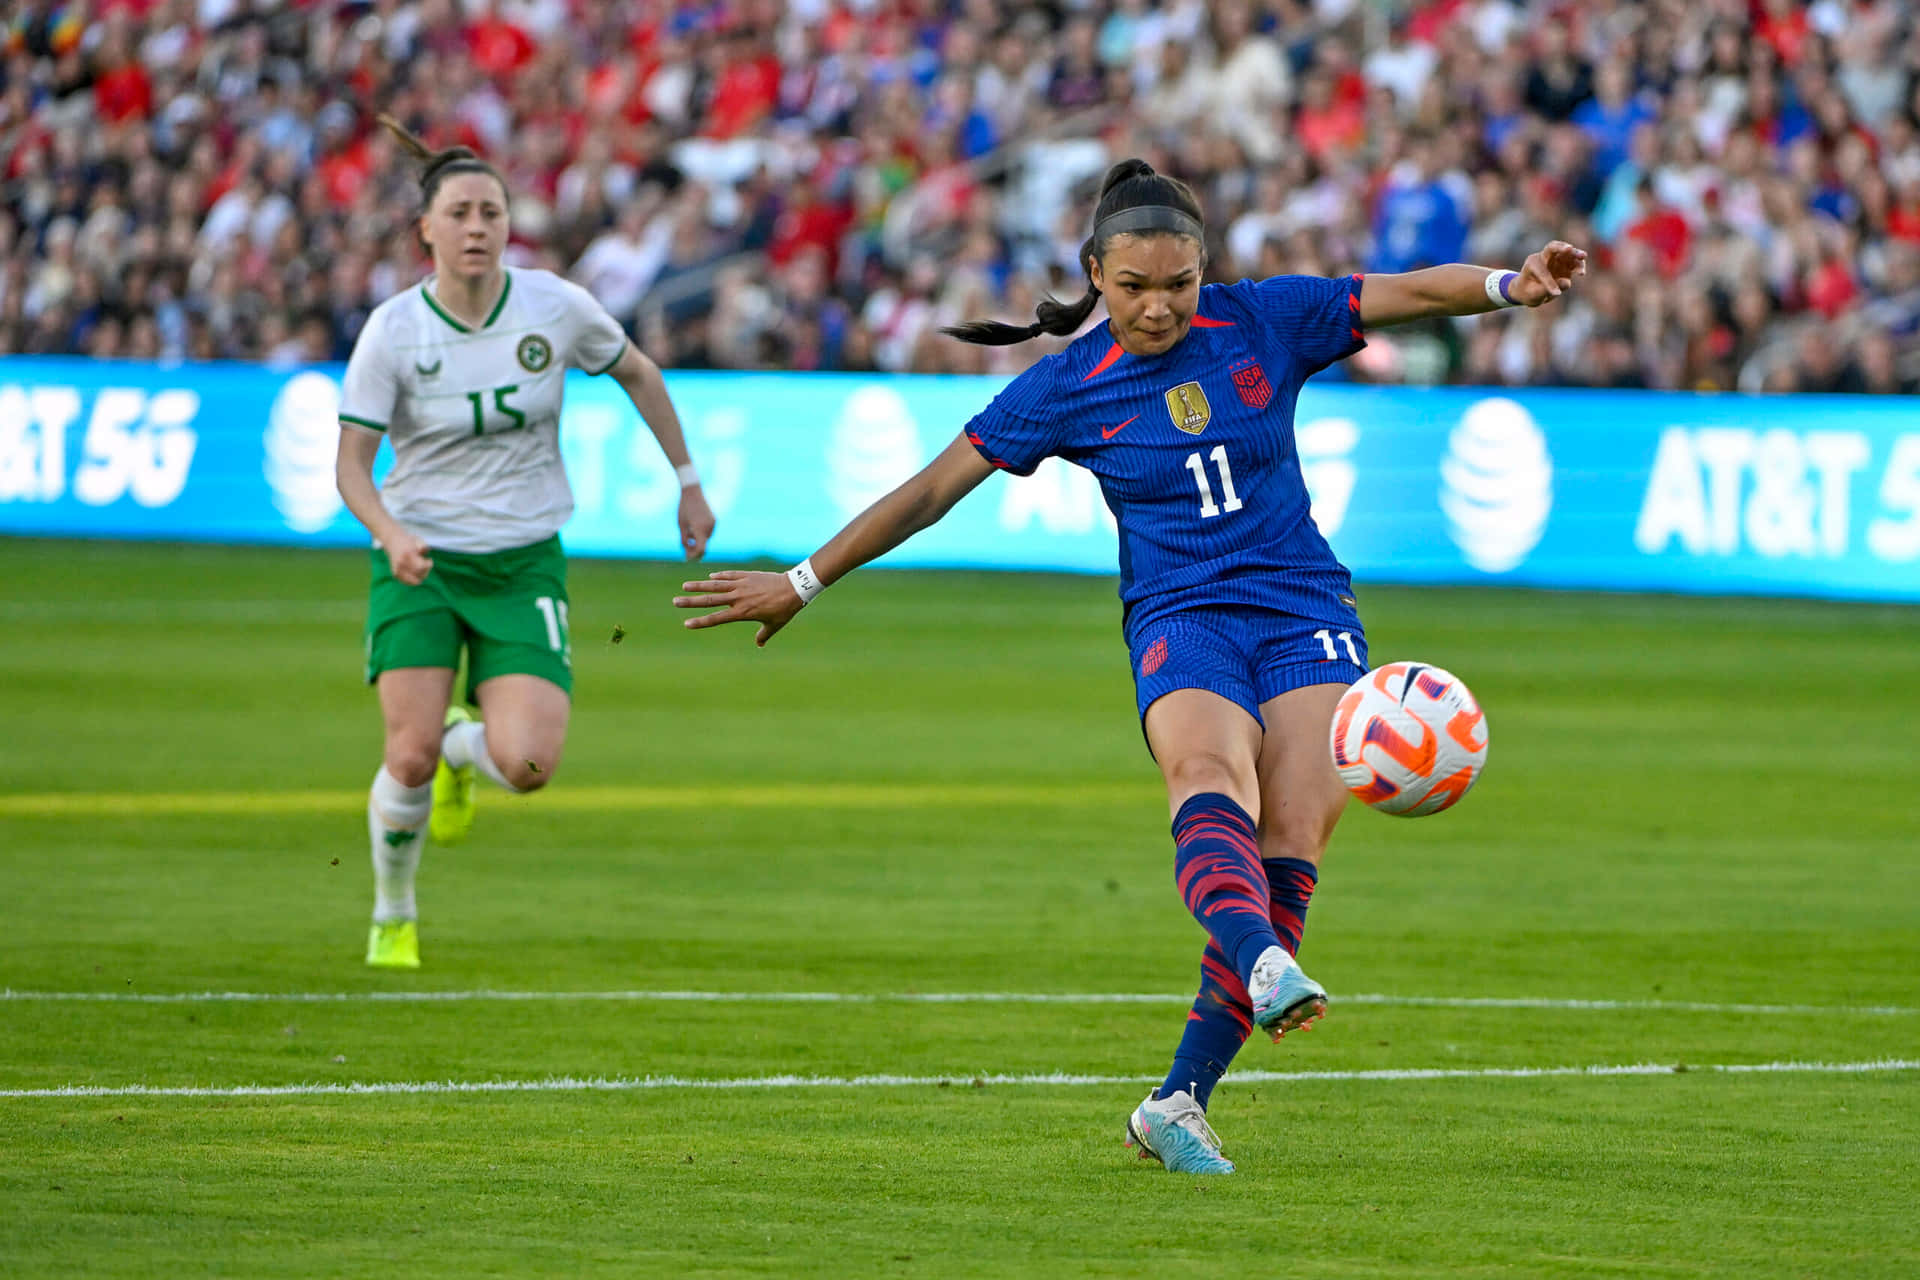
(452, 814)
(394, 944)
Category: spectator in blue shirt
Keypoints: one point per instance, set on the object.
(1611, 115)
(1418, 222)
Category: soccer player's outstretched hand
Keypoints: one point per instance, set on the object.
(1548, 273)
(766, 598)
(696, 522)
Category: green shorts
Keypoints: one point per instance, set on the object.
(507, 609)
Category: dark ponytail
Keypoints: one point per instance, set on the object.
(437, 166)
(1130, 184)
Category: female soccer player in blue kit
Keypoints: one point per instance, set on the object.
(1240, 621)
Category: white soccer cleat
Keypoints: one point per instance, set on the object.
(1174, 1131)
(1284, 997)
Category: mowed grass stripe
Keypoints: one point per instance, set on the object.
(593, 799)
(621, 1084)
(922, 997)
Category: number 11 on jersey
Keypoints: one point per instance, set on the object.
(1199, 469)
(554, 614)
(1326, 637)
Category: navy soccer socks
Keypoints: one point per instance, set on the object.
(1217, 1025)
(1290, 883)
(1217, 851)
(1216, 863)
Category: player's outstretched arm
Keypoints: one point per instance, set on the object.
(771, 599)
(1460, 290)
(640, 378)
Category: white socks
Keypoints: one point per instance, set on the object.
(465, 744)
(396, 824)
(397, 819)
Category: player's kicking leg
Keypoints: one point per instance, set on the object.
(1284, 997)
(1301, 799)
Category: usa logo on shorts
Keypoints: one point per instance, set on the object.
(1154, 658)
(1250, 380)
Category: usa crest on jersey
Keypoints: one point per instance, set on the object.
(1250, 380)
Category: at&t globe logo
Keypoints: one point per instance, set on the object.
(875, 446)
(303, 434)
(1496, 485)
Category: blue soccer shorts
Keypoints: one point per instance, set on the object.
(1246, 654)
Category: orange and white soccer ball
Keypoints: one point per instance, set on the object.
(1409, 738)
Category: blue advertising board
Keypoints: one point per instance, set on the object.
(1615, 490)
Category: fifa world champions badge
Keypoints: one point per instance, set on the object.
(1187, 406)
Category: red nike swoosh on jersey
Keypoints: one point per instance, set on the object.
(1108, 433)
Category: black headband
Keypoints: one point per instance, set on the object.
(1148, 217)
(457, 164)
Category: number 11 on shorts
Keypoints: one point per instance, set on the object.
(1326, 637)
(555, 614)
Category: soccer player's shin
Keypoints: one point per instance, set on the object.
(396, 823)
(1217, 866)
(1283, 997)
(1290, 883)
(1217, 1025)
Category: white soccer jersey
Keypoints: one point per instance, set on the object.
(474, 414)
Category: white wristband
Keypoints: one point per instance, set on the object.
(805, 581)
(689, 475)
(1497, 285)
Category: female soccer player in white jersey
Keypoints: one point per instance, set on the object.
(1241, 623)
(463, 373)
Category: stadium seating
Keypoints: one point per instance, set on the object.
(819, 185)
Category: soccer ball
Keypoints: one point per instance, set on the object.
(1409, 739)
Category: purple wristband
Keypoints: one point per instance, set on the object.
(1506, 280)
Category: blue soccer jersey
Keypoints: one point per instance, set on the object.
(1194, 448)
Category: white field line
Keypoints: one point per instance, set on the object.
(625, 1084)
(785, 796)
(129, 611)
(919, 997)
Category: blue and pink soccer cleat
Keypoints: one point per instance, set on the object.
(1284, 997)
(1174, 1131)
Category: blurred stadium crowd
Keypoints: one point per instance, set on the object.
(819, 184)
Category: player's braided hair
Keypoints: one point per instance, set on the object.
(437, 166)
(1130, 184)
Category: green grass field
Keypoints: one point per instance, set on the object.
(934, 784)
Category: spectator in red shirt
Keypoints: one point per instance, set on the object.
(121, 90)
(1784, 25)
(746, 90)
(1662, 230)
(1326, 124)
(809, 223)
(497, 46)
(1903, 218)
(346, 161)
(1829, 286)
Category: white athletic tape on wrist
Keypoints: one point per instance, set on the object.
(1497, 285)
(689, 475)
(805, 581)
